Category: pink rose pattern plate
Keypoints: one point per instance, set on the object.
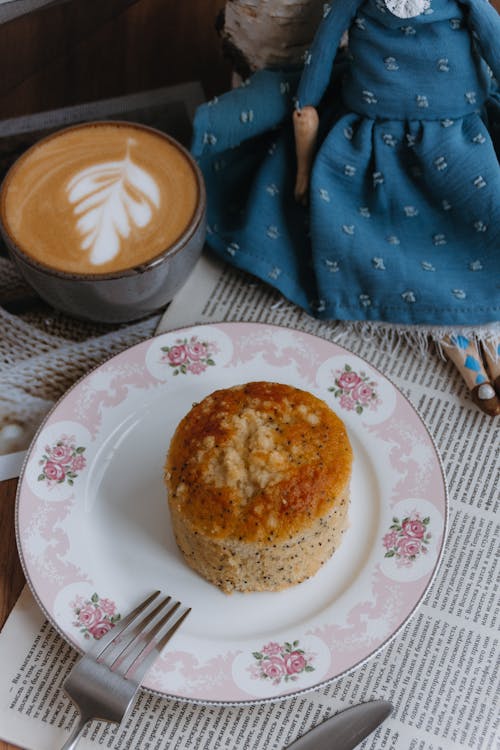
(94, 529)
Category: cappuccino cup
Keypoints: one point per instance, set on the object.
(105, 219)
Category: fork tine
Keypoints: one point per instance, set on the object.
(160, 645)
(140, 634)
(152, 649)
(121, 626)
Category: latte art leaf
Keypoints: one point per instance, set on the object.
(109, 200)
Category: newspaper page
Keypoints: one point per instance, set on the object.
(441, 672)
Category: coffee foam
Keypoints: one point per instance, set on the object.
(99, 198)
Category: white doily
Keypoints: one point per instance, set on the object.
(407, 8)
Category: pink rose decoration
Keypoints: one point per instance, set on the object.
(347, 402)
(414, 528)
(100, 628)
(390, 539)
(61, 462)
(280, 662)
(274, 667)
(196, 350)
(61, 453)
(348, 380)
(408, 547)
(407, 539)
(107, 606)
(87, 615)
(197, 368)
(272, 649)
(177, 355)
(98, 614)
(94, 617)
(295, 662)
(362, 393)
(78, 463)
(354, 390)
(54, 472)
(189, 356)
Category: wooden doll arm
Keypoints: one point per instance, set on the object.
(305, 123)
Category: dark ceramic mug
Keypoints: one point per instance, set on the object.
(122, 295)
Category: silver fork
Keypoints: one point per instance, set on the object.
(104, 682)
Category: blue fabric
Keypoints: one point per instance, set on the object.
(403, 222)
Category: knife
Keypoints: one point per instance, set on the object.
(345, 730)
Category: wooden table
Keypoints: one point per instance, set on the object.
(11, 574)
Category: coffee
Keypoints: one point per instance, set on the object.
(99, 198)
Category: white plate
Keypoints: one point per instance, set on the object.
(94, 531)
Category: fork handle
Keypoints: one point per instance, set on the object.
(72, 740)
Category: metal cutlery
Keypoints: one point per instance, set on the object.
(345, 730)
(104, 682)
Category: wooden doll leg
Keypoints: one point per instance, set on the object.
(465, 355)
(492, 360)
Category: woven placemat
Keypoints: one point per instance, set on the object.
(43, 352)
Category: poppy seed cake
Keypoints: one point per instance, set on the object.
(258, 486)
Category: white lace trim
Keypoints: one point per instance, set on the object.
(407, 8)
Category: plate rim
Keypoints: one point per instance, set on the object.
(256, 700)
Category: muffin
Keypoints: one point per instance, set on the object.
(258, 486)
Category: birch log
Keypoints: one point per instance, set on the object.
(268, 33)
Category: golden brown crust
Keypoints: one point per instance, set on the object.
(259, 463)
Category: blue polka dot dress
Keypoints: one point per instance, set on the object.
(403, 219)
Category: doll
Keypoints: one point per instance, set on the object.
(381, 203)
